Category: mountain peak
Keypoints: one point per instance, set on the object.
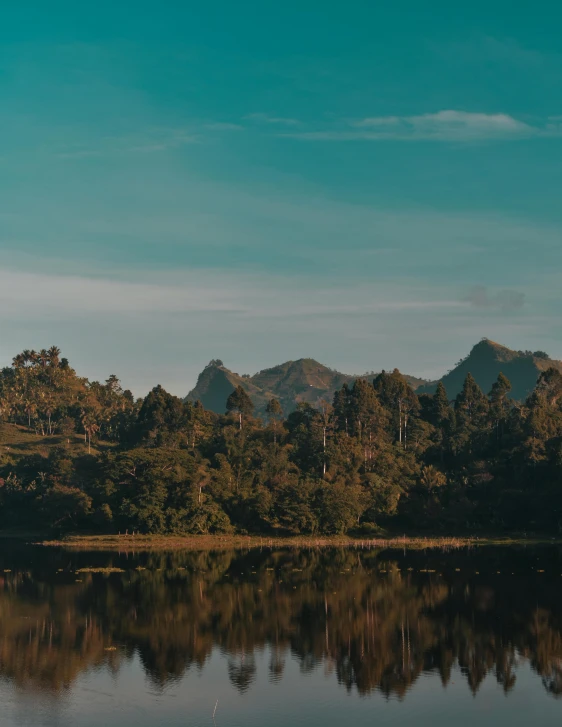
(307, 380)
(487, 359)
(216, 363)
(292, 382)
(488, 343)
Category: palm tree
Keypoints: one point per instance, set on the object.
(30, 408)
(90, 428)
(54, 355)
(18, 361)
(43, 357)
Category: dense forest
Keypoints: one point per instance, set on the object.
(86, 456)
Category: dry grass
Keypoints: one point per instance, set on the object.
(222, 542)
(100, 570)
(17, 441)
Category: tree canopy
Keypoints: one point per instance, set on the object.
(85, 455)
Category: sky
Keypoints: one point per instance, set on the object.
(368, 184)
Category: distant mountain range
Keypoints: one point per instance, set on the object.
(306, 380)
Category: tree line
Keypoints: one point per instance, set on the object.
(376, 456)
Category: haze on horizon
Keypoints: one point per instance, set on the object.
(369, 187)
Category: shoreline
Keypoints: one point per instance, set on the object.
(227, 542)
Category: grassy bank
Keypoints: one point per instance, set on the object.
(215, 542)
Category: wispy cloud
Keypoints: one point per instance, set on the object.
(73, 296)
(448, 124)
(443, 126)
(223, 126)
(208, 290)
(151, 140)
(269, 119)
(79, 154)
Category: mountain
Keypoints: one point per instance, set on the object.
(291, 382)
(486, 360)
(310, 381)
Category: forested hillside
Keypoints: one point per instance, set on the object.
(85, 456)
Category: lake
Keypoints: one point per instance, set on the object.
(318, 637)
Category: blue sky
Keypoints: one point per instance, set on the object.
(369, 186)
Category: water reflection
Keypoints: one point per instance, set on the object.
(371, 620)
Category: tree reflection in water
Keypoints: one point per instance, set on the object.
(376, 620)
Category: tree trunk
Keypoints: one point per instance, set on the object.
(324, 450)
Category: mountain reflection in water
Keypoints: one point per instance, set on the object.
(372, 620)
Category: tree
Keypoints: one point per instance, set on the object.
(500, 406)
(162, 419)
(90, 428)
(365, 417)
(440, 408)
(549, 386)
(54, 355)
(397, 395)
(63, 505)
(471, 410)
(327, 423)
(432, 478)
(471, 402)
(239, 401)
(274, 412)
(340, 507)
(341, 408)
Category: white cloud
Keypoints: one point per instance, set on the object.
(451, 124)
(446, 125)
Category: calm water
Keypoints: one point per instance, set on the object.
(309, 637)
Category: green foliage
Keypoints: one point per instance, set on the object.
(240, 402)
(81, 455)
